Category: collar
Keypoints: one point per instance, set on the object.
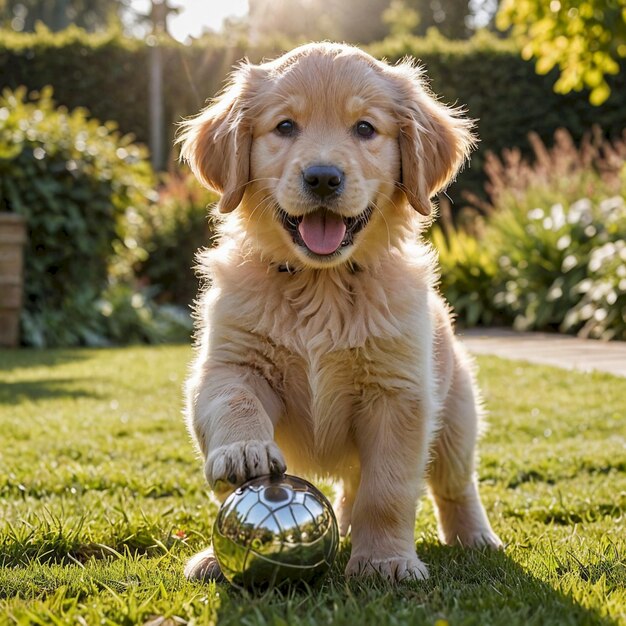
(286, 268)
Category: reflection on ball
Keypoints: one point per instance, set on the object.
(275, 530)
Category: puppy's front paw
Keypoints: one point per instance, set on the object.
(235, 463)
(396, 569)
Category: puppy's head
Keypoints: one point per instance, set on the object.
(326, 151)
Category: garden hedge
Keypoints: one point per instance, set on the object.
(108, 74)
(78, 184)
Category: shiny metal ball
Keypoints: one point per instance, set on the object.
(275, 530)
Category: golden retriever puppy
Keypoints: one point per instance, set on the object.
(323, 343)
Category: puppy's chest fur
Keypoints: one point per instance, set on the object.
(314, 312)
(326, 342)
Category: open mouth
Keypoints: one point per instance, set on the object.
(323, 232)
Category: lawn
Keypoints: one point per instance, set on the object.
(102, 499)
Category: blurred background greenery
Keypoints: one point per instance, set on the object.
(532, 234)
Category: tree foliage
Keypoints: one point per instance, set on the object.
(359, 22)
(450, 17)
(400, 18)
(23, 15)
(584, 38)
(317, 19)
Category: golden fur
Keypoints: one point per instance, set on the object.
(346, 364)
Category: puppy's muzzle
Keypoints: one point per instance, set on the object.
(323, 181)
(322, 232)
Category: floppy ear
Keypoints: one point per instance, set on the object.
(435, 140)
(216, 143)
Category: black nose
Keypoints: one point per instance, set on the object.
(323, 180)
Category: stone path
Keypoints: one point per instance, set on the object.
(548, 349)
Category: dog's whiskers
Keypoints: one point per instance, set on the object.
(386, 223)
(256, 180)
(263, 204)
(258, 205)
(388, 198)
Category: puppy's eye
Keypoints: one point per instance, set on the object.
(286, 128)
(364, 130)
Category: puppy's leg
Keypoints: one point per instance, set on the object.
(345, 501)
(232, 413)
(460, 513)
(392, 438)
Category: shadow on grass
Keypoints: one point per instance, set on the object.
(466, 587)
(11, 359)
(44, 389)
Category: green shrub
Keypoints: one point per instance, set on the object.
(549, 271)
(178, 225)
(468, 270)
(75, 181)
(601, 310)
(552, 251)
(132, 316)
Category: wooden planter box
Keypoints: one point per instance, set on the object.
(12, 239)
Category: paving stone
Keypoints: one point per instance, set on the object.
(548, 349)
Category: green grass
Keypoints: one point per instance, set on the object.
(102, 500)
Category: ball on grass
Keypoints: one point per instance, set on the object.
(275, 530)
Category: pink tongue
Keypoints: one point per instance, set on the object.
(322, 231)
